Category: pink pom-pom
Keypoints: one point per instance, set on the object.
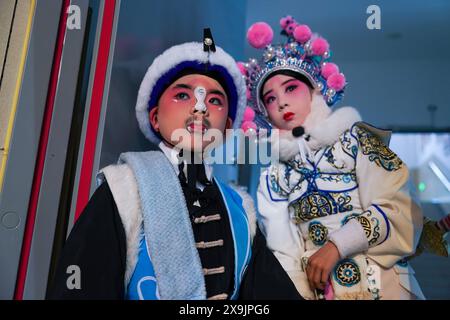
(248, 125)
(319, 46)
(290, 28)
(248, 94)
(259, 35)
(328, 69)
(249, 114)
(242, 68)
(302, 33)
(284, 22)
(336, 81)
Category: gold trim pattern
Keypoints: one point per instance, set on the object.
(377, 151)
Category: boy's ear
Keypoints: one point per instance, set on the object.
(229, 124)
(153, 117)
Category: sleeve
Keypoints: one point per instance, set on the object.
(97, 248)
(282, 235)
(391, 221)
(265, 278)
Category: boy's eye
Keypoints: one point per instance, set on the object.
(215, 101)
(291, 88)
(182, 96)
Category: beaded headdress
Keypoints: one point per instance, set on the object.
(304, 52)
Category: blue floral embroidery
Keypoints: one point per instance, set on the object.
(347, 273)
(318, 233)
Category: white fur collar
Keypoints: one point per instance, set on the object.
(327, 131)
(323, 126)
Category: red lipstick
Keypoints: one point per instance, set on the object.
(288, 116)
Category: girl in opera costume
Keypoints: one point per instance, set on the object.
(335, 210)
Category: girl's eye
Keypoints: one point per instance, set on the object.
(270, 99)
(291, 88)
(182, 96)
(215, 101)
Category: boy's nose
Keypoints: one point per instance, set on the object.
(203, 112)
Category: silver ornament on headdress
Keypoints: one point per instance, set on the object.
(307, 47)
(268, 56)
(253, 62)
(330, 92)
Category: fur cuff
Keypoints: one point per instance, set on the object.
(350, 239)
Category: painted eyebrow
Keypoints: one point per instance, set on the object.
(218, 92)
(287, 81)
(183, 86)
(265, 94)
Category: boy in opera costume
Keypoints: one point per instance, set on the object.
(160, 226)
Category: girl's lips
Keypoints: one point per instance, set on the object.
(288, 116)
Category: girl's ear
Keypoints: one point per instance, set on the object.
(314, 92)
(153, 117)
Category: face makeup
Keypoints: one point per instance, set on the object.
(194, 103)
(288, 116)
(200, 95)
(287, 100)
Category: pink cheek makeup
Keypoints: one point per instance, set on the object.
(176, 100)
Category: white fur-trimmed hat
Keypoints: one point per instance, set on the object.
(167, 66)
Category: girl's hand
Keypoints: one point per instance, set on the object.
(320, 265)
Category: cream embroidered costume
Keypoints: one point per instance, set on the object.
(352, 191)
(337, 182)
